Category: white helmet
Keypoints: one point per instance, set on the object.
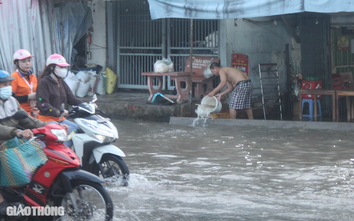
(57, 59)
(21, 54)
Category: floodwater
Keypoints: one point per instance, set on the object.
(234, 173)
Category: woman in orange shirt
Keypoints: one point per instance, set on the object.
(24, 85)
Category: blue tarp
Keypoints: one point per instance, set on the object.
(223, 9)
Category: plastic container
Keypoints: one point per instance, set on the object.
(311, 85)
(212, 104)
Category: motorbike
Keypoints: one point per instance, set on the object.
(60, 182)
(93, 144)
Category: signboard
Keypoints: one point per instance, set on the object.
(343, 43)
(240, 61)
(199, 64)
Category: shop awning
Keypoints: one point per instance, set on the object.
(223, 9)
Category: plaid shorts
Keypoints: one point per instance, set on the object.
(241, 96)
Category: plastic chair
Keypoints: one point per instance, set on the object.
(311, 114)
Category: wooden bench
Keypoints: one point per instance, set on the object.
(178, 77)
(203, 85)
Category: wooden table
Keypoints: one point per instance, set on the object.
(178, 77)
(320, 92)
(350, 105)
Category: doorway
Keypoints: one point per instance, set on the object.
(136, 42)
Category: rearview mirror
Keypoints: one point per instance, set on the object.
(94, 98)
(62, 108)
(19, 115)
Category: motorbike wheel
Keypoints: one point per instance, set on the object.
(113, 170)
(92, 200)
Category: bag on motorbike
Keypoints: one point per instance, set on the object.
(19, 159)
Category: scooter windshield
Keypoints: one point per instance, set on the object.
(86, 108)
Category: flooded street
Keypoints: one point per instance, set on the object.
(234, 173)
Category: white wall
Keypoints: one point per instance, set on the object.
(263, 43)
(99, 43)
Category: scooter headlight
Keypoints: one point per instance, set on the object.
(61, 134)
(105, 139)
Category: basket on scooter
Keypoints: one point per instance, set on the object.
(19, 159)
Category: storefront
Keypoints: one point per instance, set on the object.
(311, 39)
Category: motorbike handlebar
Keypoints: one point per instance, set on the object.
(61, 117)
(76, 110)
(21, 128)
(39, 135)
(71, 113)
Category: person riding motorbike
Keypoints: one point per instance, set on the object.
(24, 85)
(8, 126)
(52, 92)
(8, 130)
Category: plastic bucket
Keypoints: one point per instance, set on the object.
(212, 104)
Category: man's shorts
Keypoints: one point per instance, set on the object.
(242, 95)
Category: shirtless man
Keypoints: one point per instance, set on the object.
(241, 85)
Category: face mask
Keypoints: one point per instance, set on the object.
(5, 92)
(62, 72)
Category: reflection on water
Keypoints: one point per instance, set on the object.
(234, 173)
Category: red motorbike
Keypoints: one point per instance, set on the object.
(60, 182)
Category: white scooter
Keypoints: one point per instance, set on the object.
(93, 144)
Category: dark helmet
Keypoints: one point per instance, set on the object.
(5, 76)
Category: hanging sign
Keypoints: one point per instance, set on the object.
(240, 61)
(343, 43)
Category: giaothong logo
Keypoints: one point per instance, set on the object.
(35, 211)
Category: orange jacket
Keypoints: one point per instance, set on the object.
(21, 86)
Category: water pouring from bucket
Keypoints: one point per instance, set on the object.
(207, 106)
(211, 104)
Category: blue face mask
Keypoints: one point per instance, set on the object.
(5, 92)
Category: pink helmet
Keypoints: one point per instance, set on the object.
(21, 54)
(57, 59)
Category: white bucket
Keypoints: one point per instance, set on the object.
(211, 103)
